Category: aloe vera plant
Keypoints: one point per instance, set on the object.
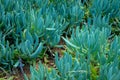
(79, 68)
(48, 28)
(92, 46)
(90, 29)
(6, 55)
(110, 69)
(87, 40)
(28, 48)
(67, 69)
(106, 7)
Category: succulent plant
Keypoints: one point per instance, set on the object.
(90, 28)
(30, 46)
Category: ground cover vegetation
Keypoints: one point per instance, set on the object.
(59, 39)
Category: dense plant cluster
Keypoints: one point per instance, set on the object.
(89, 28)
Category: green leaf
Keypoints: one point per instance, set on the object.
(37, 51)
(70, 43)
(16, 64)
